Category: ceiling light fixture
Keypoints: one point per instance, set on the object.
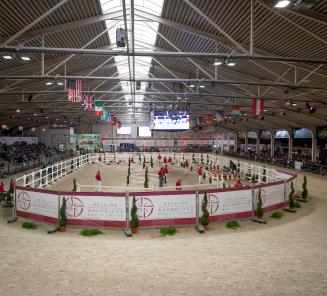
(49, 83)
(217, 63)
(282, 3)
(231, 64)
(25, 58)
(60, 83)
(8, 56)
(192, 85)
(202, 86)
(18, 110)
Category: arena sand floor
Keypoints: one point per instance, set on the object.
(284, 257)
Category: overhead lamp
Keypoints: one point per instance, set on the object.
(192, 85)
(8, 55)
(60, 83)
(288, 103)
(34, 114)
(33, 129)
(25, 58)
(231, 64)
(18, 110)
(217, 63)
(47, 117)
(311, 109)
(20, 128)
(282, 3)
(294, 104)
(49, 83)
(202, 86)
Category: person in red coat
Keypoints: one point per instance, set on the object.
(2, 191)
(179, 184)
(161, 176)
(238, 184)
(98, 181)
(200, 172)
(170, 160)
(99, 158)
(165, 159)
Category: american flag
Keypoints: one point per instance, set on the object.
(89, 102)
(75, 94)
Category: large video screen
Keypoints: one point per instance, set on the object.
(144, 131)
(124, 130)
(169, 120)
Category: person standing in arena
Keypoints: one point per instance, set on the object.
(98, 182)
(166, 173)
(159, 158)
(160, 174)
(179, 184)
(200, 173)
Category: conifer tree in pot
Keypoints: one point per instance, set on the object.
(8, 201)
(146, 178)
(264, 177)
(304, 194)
(291, 197)
(151, 162)
(62, 216)
(210, 179)
(204, 220)
(74, 186)
(259, 210)
(134, 219)
(144, 163)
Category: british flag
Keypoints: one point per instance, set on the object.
(89, 102)
(75, 94)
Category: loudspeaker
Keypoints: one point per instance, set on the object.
(120, 37)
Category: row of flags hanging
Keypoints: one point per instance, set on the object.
(76, 95)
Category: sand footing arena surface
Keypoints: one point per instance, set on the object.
(284, 257)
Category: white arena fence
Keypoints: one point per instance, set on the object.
(156, 207)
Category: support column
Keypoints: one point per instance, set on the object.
(222, 144)
(272, 144)
(228, 143)
(258, 143)
(290, 145)
(236, 142)
(246, 142)
(314, 145)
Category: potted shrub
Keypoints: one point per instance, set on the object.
(264, 177)
(210, 179)
(62, 216)
(151, 162)
(8, 200)
(204, 220)
(304, 194)
(146, 178)
(291, 197)
(74, 186)
(259, 210)
(134, 219)
(144, 163)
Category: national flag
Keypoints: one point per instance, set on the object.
(99, 108)
(236, 115)
(219, 115)
(258, 107)
(75, 93)
(89, 102)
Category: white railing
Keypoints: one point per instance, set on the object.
(55, 172)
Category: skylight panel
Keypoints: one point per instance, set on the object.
(144, 37)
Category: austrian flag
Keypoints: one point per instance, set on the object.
(258, 107)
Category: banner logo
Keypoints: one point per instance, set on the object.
(144, 207)
(24, 201)
(213, 204)
(75, 207)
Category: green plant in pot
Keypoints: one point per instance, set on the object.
(204, 220)
(304, 194)
(62, 216)
(259, 210)
(146, 178)
(134, 223)
(291, 197)
(264, 177)
(74, 185)
(151, 162)
(144, 163)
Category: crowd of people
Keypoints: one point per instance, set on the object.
(23, 152)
